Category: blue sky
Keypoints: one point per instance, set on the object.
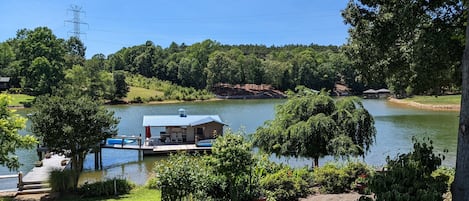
(123, 23)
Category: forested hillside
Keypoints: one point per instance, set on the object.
(204, 64)
(39, 63)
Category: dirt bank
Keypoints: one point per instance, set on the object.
(332, 197)
(448, 107)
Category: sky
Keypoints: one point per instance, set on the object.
(112, 25)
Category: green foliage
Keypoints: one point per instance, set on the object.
(313, 125)
(62, 180)
(170, 91)
(72, 126)
(223, 175)
(41, 63)
(10, 139)
(336, 178)
(181, 176)
(232, 159)
(332, 178)
(409, 176)
(120, 85)
(445, 172)
(287, 184)
(408, 45)
(106, 188)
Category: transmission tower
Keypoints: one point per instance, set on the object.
(76, 21)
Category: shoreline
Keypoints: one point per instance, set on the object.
(445, 107)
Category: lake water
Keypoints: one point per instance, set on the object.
(395, 124)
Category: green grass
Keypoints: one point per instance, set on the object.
(140, 193)
(142, 93)
(20, 99)
(440, 100)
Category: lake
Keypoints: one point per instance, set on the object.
(395, 124)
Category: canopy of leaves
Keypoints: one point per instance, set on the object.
(72, 126)
(10, 139)
(410, 45)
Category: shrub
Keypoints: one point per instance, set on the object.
(445, 172)
(181, 176)
(287, 184)
(331, 178)
(106, 188)
(409, 176)
(62, 181)
(358, 176)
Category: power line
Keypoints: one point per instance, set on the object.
(76, 21)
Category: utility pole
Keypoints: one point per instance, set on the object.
(76, 21)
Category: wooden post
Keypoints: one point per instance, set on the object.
(96, 159)
(100, 157)
(20, 181)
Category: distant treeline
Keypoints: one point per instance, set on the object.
(204, 64)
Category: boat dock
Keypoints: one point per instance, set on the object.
(37, 180)
(41, 174)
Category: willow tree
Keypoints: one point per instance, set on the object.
(309, 123)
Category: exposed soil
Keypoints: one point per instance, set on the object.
(246, 91)
(448, 107)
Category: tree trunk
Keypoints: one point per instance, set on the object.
(316, 162)
(460, 186)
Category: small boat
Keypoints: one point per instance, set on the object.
(118, 141)
(205, 143)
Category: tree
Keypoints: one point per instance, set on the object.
(41, 59)
(121, 87)
(409, 44)
(232, 158)
(460, 186)
(43, 76)
(75, 52)
(307, 124)
(72, 126)
(10, 139)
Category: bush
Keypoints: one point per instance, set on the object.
(106, 188)
(409, 176)
(182, 176)
(445, 172)
(358, 176)
(62, 181)
(331, 178)
(287, 184)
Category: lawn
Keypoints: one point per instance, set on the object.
(439, 100)
(20, 99)
(138, 194)
(142, 93)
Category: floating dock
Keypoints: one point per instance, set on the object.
(41, 174)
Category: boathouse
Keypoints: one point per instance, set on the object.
(182, 128)
(374, 94)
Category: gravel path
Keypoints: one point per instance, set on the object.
(332, 197)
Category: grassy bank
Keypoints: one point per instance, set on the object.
(437, 100)
(138, 194)
(18, 100)
(143, 93)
